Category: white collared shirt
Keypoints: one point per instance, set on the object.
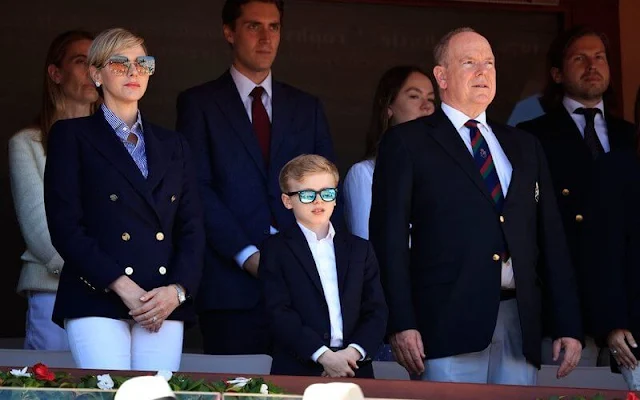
(245, 86)
(601, 125)
(500, 160)
(324, 256)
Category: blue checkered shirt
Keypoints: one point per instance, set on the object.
(137, 151)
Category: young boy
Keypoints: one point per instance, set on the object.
(322, 287)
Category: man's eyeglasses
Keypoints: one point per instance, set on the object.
(309, 196)
(119, 65)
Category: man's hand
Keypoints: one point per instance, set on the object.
(252, 263)
(337, 364)
(619, 341)
(572, 353)
(408, 350)
(353, 356)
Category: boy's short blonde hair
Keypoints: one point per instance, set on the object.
(111, 41)
(305, 165)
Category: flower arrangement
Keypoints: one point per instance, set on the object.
(40, 376)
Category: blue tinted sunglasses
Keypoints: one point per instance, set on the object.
(309, 196)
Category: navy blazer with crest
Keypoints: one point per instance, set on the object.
(106, 220)
(447, 285)
(296, 305)
(240, 194)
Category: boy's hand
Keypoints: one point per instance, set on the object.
(336, 364)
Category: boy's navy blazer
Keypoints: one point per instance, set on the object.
(106, 220)
(296, 305)
(240, 193)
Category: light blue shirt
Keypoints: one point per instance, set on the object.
(357, 197)
(601, 125)
(526, 109)
(500, 160)
(245, 86)
(137, 151)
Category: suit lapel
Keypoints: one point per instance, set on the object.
(158, 156)
(231, 105)
(282, 113)
(105, 141)
(300, 248)
(509, 143)
(446, 135)
(341, 247)
(616, 130)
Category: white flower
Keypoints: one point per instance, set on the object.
(105, 382)
(20, 372)
(165, 374)
(264, 389)
(239, 382)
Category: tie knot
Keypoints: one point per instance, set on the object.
(471, 124)
(589, 113)
(256, 93)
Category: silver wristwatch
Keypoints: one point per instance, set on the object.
(182, 296)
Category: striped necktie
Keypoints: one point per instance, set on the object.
(484, 161)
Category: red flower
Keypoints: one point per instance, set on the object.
(41, 372)
(632, 396)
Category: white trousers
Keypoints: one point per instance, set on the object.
(105, 343)
(502, 362)
(41, 333)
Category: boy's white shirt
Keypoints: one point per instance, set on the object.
(324, 256)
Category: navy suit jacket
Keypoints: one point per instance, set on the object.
(613, 243)
(241, 196)
(296, 306)
(106, 219)
(572, 167)
(447, 285)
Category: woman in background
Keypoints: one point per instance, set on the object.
(124, 213)
(404, 93)
(67, 93)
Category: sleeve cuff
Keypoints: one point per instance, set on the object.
(55, 264)
(318, 353)
(244, 254)
(363, 353)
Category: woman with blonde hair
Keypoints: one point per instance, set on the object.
(67, 93)
(124, 213)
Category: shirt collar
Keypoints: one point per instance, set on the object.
(246, 85)
(571, 105)
(458, 118)
(311, 236)
(117, 124)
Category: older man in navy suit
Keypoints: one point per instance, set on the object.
(465, 299)
(243, 128)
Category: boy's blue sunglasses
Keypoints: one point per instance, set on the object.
(309, 196)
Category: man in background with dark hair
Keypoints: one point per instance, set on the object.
(574, 133)
(243, 127)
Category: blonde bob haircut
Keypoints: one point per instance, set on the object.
(303, 166)
(110, 42)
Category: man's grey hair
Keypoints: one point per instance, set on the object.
(441, 51)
